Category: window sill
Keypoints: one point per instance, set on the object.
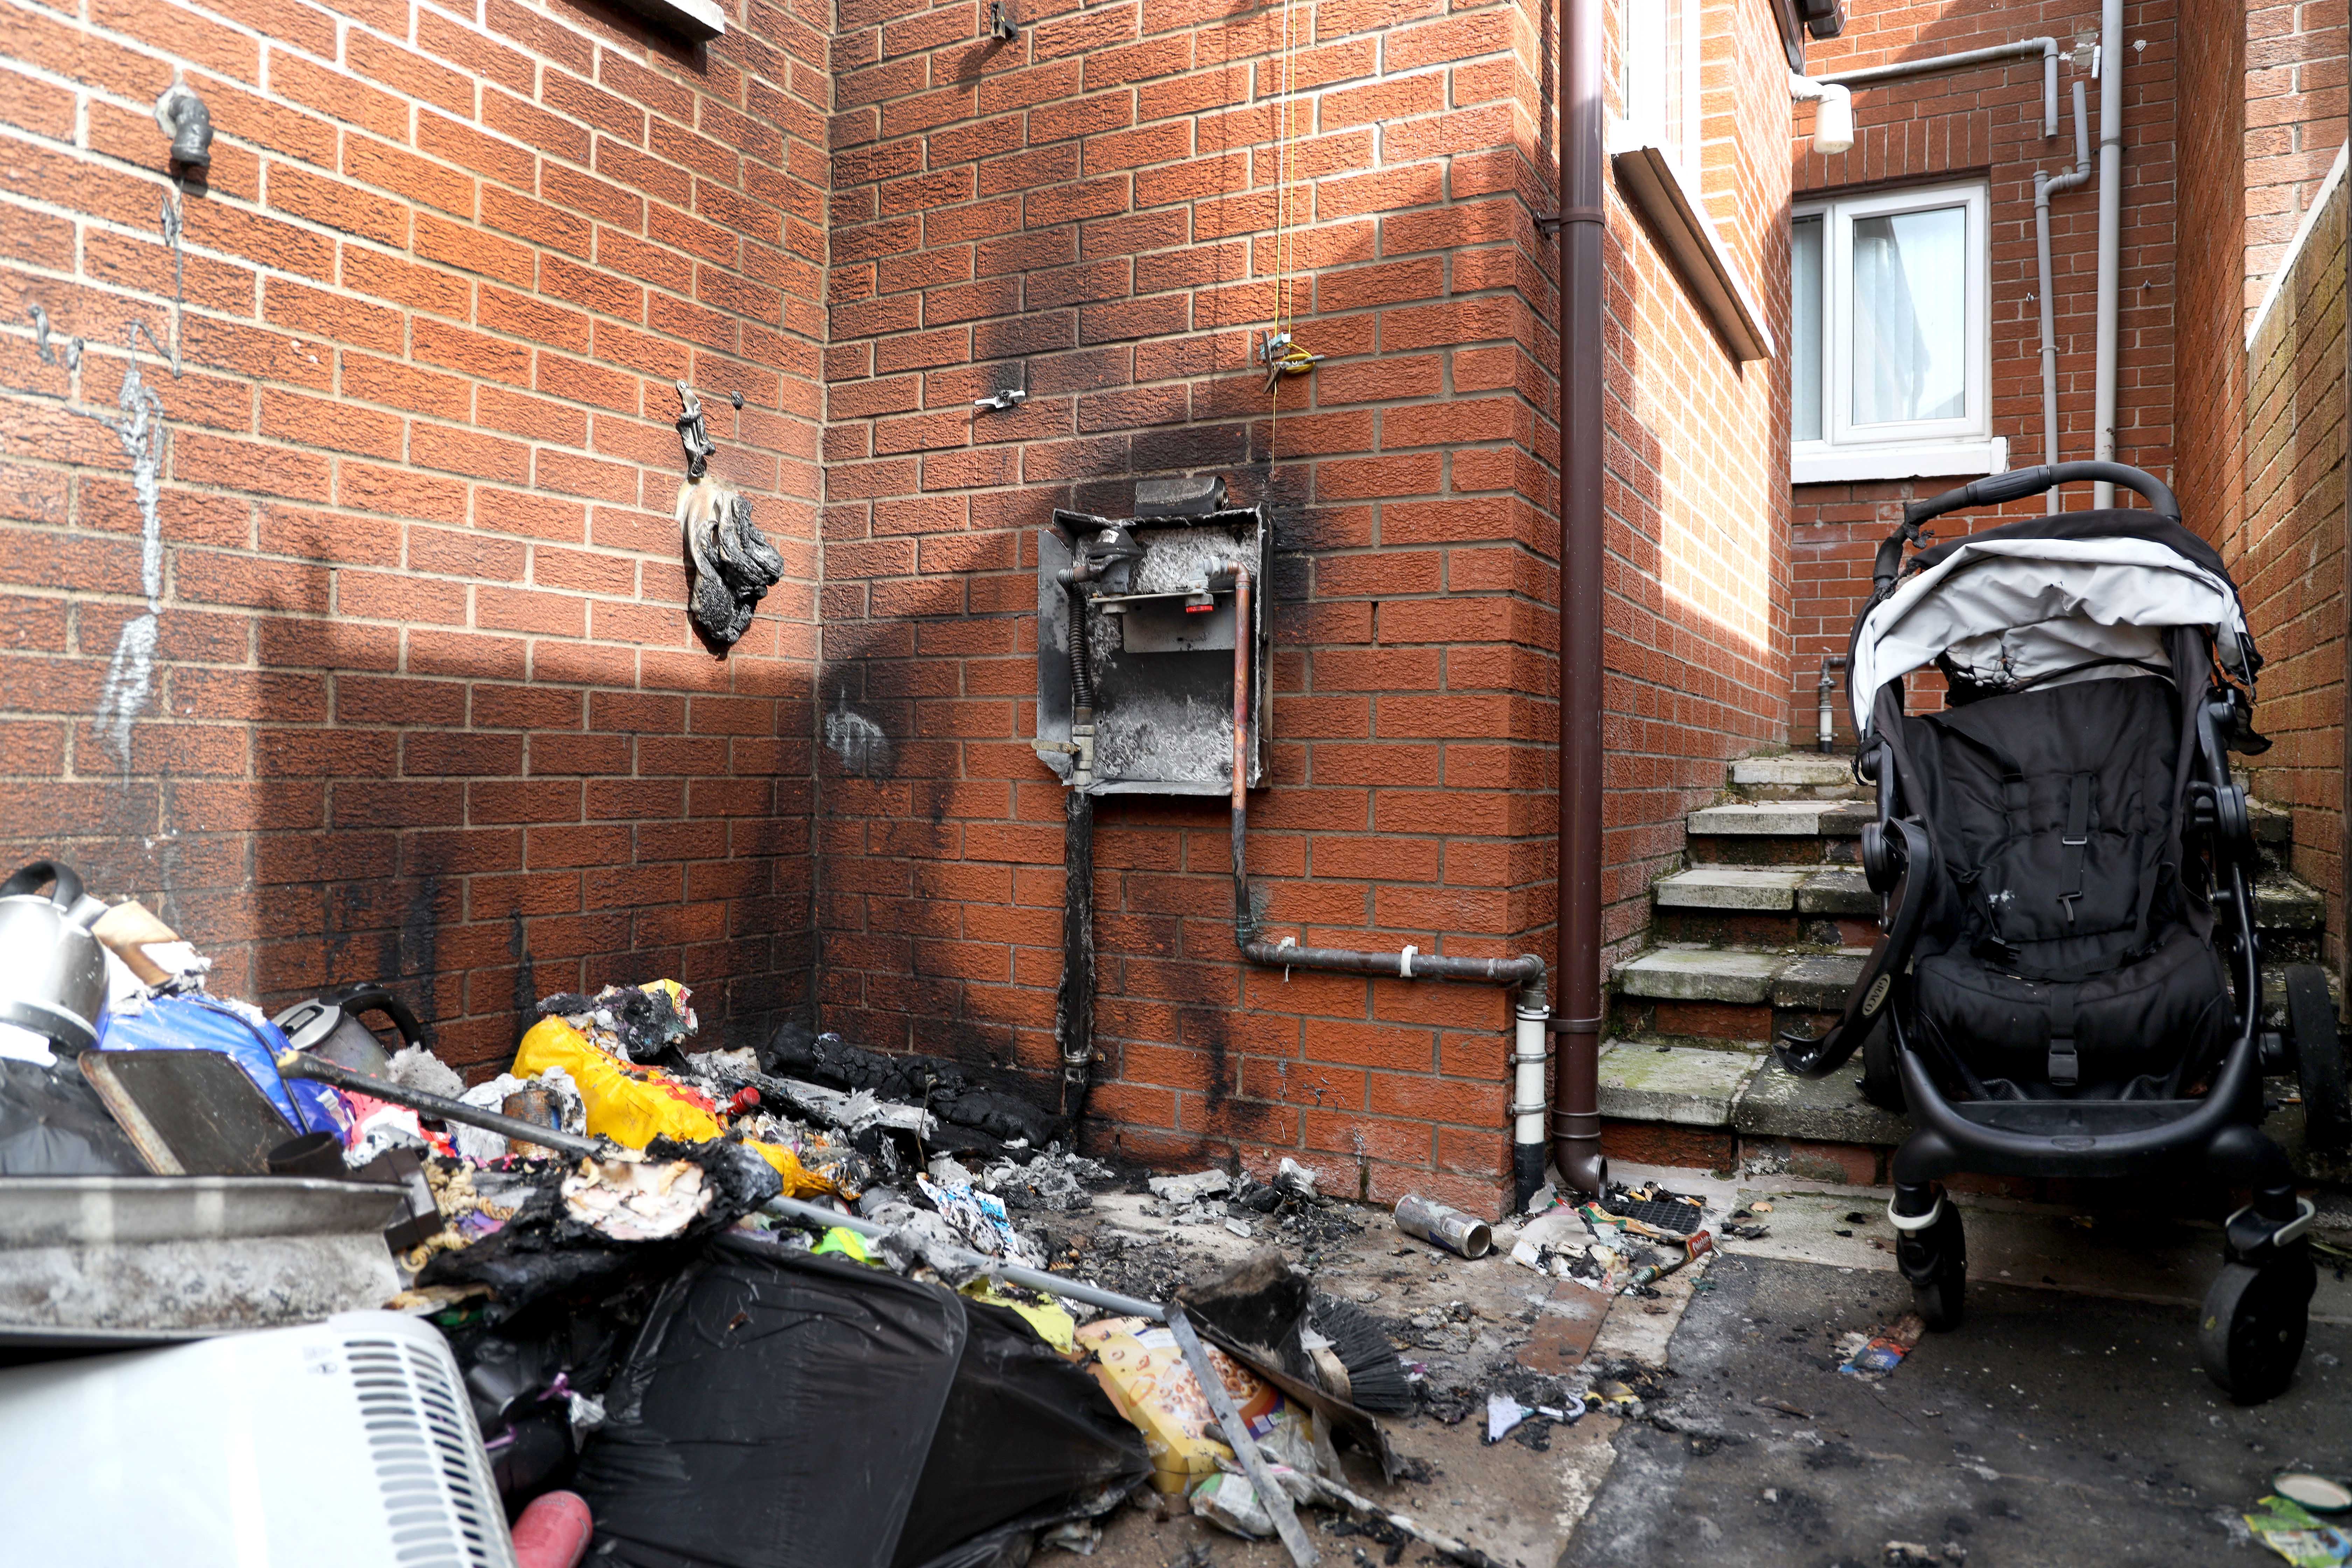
(1938, 459)
(1647, 175)
(696, 21)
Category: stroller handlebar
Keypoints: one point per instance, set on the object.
(2020, 482)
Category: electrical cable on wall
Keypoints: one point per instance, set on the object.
(1279, 350)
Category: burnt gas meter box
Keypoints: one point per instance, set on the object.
(1152, 596)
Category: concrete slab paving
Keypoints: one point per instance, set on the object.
(1517, 1502)
(2048, 1428)
(1688, 1085)
(2076, 1351)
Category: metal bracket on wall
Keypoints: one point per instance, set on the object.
(1001, 25)
(1548, 223)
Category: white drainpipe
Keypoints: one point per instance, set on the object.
(2110, 71)
(2044, 187)
(1904, 70)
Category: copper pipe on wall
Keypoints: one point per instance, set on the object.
(1576, 1069)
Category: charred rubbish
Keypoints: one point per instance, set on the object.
(611, 1236)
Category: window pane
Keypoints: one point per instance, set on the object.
(1805, 326)
(1661, 66)
(1910, 316)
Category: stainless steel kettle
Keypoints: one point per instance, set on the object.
(329, 1027)
(52, 971)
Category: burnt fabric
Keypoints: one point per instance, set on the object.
(2065, 950)
(948, 1092)
(780, 1410)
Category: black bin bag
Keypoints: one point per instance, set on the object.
(52, 1123)
(780, 1410)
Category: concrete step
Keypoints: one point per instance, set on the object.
(1731, 992)
(1685, 1086)
(1758, 906)
(2285, 902)
(1782, 905)
(1799, 890)
(1777, 832)
(1735, 1110)
(1795, 775)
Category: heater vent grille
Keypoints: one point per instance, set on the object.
(420, 1437)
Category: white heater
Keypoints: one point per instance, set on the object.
(348, 1442)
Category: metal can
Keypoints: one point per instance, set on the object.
(1450, 1228)
(532, 1104)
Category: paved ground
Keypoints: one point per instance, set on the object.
(2067, 1421)
(2049, 1428)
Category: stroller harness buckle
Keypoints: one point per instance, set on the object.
(2076, 840)
(2066, 1067)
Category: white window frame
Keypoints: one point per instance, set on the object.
(1643, 91)
(1911, 448)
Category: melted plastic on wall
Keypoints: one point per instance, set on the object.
(780, 1410)
(52, 1124)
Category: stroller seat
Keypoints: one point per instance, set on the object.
(2067, 980)
(2068, 957)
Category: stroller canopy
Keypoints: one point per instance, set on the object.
(2038, 602)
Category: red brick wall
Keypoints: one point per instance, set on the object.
(1987, 122)
(1091, 211)
(2262, 439)
(2295, 55)
(2210, 410)
(2289, 556)
(423, 703)
(1697, 640)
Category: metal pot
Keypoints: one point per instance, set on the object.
(329, 1027)
(52, 971)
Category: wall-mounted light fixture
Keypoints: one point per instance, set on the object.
(1833, 120)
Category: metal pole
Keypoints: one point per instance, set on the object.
(301, 1064)
(2111, 224)
(298, 1064)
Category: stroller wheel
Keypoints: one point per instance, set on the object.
(2251, 1334)
(1935, 1262)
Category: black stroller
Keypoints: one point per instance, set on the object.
(2066, 981)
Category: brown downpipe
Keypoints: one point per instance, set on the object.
(1528, 969)
(1575, 1072)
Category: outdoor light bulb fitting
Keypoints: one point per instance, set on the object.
(1833, 117)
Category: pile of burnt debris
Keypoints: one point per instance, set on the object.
(797, 1303)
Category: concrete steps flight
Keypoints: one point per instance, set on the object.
(1766, 929)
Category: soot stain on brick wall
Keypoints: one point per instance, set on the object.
(526, 988)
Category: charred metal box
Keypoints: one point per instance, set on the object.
(1153, 595)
